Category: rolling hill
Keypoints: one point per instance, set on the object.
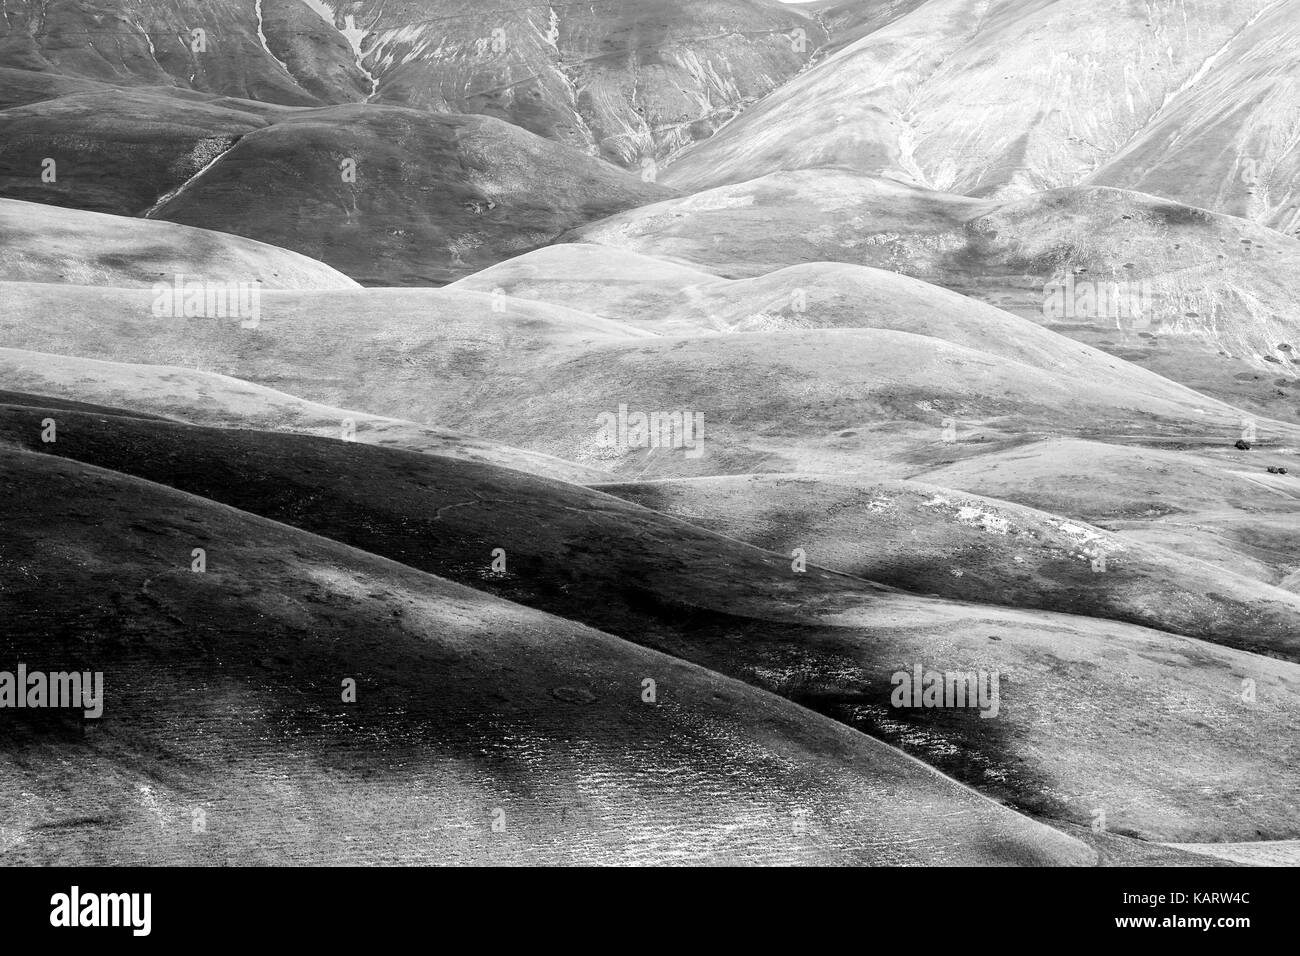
(232, 709)
(538, 376)
(933, 540)
(825, 640)
(395, 196)
(1204, 299)
(1229, 511)
(48, 244)
(221, 401)
(625, 399)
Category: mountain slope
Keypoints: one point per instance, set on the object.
(625, 80)
(989, 98)
(115, 151)
(628, 80)
(391, 196)
(395, 196)
(1231, 141)
(129, 44)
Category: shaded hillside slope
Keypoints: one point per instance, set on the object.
(1075, 691)
(222, 695)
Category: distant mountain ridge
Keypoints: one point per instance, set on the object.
(624, 79)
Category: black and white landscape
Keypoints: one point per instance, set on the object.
(863, 432)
